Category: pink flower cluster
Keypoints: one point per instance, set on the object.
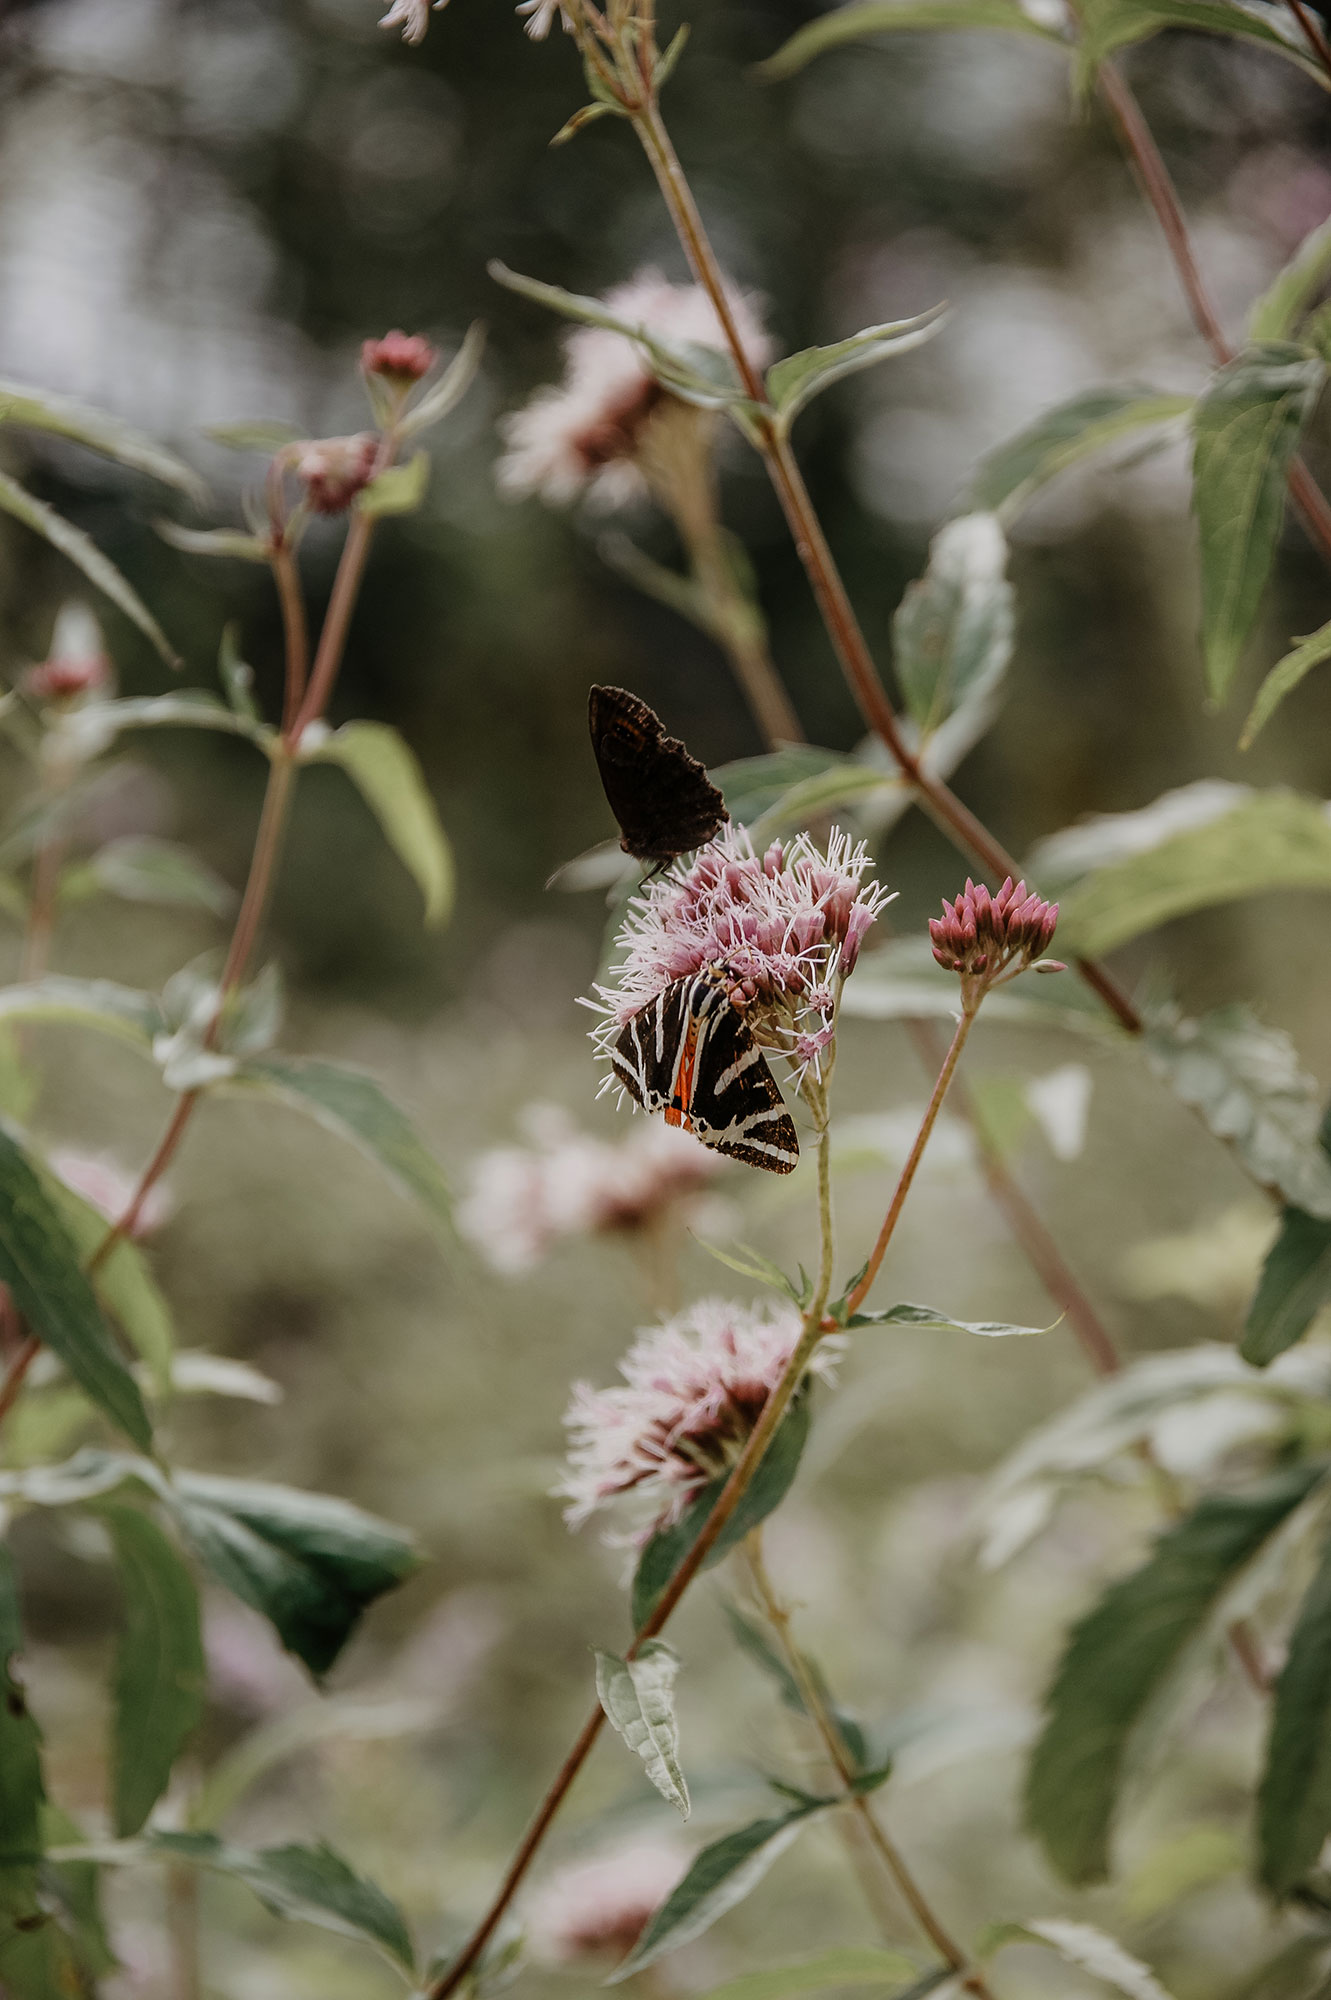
(401, 358)
(783, 929)
(568, 1183)
(333, 471)
(585, 435)
(989, 939)
(694, 1389)
(77, 663)
(602, 1904)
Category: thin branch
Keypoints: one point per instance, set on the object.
(1313, 31)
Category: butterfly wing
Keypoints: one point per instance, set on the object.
(689, 1055)
(662, 797)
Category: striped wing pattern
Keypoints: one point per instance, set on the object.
(688, 1054)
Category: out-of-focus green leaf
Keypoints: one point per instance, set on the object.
(266, 434)
(390, 780)
(666, 1549)
(351, 1103)
(1295, 1284)
(753, 1641)
(1089, 1950)
(1267, 840)
(236, 675)
(311, 1564)
(1294, 1803)
(443, 396)
(122, 1281)
(96, 727)
(1117, 24)
(848, 1966)
(1292, 291)
(1121, 1653)
(119, 1011)
(75, 1886)
(91, 1474)
(232, 543)
(638, 1696)
(84, 553)
(1284, 677)
(910, 1315)
(1246, 429)
(879, 17)
(782, 790)
(800, 377)
(144, 870)
(900, 981)
(721, 1876)
(62, 416)
(398, 489)
(35, 1962)
(1006, 477)
(1244, 1079)
(952, 632)
(40, 1264)
(160, 1674)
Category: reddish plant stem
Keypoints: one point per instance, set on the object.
(18, 1367)
(848, 641)
(1314, 33)
(295, 631)
(1162, 195)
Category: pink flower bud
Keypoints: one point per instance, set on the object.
(401, 358)
(77, 663)
(334, 470)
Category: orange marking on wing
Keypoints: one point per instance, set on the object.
(678, 1111)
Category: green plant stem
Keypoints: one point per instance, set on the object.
(848, 641)
(1161, 194)
(778, 1618)
(860, 1291)
(778, 1402)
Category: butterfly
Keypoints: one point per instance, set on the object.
(662, 797)
(689, 1054)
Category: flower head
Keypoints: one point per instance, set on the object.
(77, 663)
(990, 939)
(569, 1183)
(694, 1388)
(782, 931)
(333, 470)
(541, 16)
(402, 358)
(412, 16)
(591, 434)
(601, 1905)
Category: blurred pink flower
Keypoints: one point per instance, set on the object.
(588, 434)
(412, 16)
(108, 1188)
(333, 470)
(541, 16)
(694, 1389)
(77, 663)
(401, 357)
(783, 929)
(602, 1904)
(568, 1183)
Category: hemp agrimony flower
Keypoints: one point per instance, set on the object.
(694, 1387)
(990, 939)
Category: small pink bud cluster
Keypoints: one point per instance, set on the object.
(401, 358)
(76, 665)
(990, 939)
(334, 470)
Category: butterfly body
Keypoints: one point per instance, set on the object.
(664, 801)
(689, 1055)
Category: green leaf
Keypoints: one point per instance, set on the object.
(952, 631)
(311, 1884)
(1246, 429)
(351, 1103)
(1294, 1802)
(443, 396)
(390, 780)
(236, 675)
(752, 1264)
(40, 1264)
(75, 1887)
(1244, 1079)
(909, 1315)
(1294, 290)
(721, 1876)
(901, 982)
(848, 1966)
(1089, 1950)
(1265, 841)
(232, 543)
(1006, 477)
(754, 1641)
(1294, 1286)
(1117, 24)
(1305, 654)
(1125, 1649)
(800, 377)
(638, 1696)
(160, 1674)
(665, 1551)
(62, 416)
(754, 787)
(266, 434)
(195, 708)
(78, 548)
(119, 1011)
(398, 489)
(122, 1281)
(877, 17)
(89, 1475)
(34, 1957)
(144, 870)
(311, 1564)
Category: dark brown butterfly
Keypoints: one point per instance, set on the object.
(663, 799)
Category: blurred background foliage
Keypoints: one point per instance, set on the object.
(203, 209)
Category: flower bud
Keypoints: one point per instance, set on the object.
(334, 470)
(77, 663)
(988, 939)
(401, 358)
